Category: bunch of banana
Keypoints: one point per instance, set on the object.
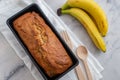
(93, 18)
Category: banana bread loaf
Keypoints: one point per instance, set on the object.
(42, 43)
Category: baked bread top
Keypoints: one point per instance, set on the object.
(42, 43)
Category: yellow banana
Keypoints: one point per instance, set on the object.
(89, 26)
(93, 9)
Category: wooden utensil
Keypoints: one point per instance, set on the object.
(67, 39)
(83, 54)
(78, 68)
(79, 73)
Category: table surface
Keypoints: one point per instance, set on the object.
(110, 60)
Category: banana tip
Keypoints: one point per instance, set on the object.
(59, 12)
(104, 51)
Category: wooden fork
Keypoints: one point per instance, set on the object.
(67, 39)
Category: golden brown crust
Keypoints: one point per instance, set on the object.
(42, 43)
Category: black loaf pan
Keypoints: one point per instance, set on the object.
(36, 8)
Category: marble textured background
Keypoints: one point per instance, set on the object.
(13, 68)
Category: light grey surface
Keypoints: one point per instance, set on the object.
(12, 68)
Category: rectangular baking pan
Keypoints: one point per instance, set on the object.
(36, 8)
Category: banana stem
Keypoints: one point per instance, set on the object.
(65, 11)
(60, 12)
(65, 6)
